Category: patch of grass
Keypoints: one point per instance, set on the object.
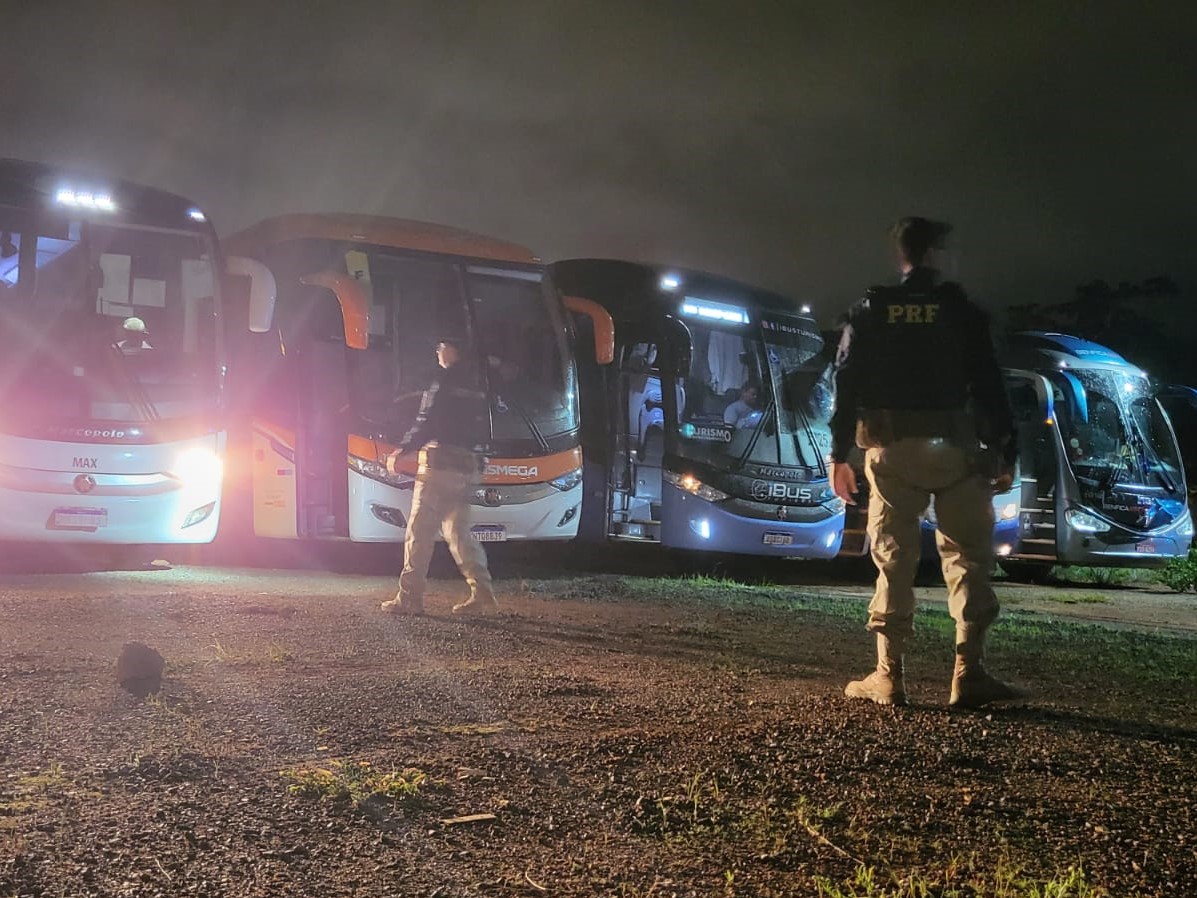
(959, 881)
(1077, 598)
(473, 729)
(53, 777)
(1099, 576)
(274, 653)
(28, 794)
(1179, 574)
(355, 782)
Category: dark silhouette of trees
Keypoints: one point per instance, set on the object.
(1148, 322)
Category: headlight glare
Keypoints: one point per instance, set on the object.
(567, 481)
(199, 468)
(377, 470)
(696, 487)
(1085, 522)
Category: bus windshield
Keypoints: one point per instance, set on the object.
(521, 336)
(519, 339)
(103, 322)
(1115, 432)
(755, 397)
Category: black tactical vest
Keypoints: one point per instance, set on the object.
(910, 344)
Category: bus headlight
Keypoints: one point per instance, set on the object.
(377, 470)
(200, 469)
(694, 486)
(567, 482)
(1084, 522)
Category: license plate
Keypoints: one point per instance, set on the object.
(1147, 546)
(778, 539)
(489, 533)
(80, 518)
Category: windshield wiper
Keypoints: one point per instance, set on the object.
(1141, 445)
(137, 392)
(770, 409)
(806, 426)
(541, 442)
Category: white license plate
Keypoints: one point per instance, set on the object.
(778, 539)
(1146, 546)
(80, 518)
(490, 533)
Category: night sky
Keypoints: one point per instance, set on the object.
(772, 142)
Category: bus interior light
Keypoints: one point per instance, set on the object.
(670, 282)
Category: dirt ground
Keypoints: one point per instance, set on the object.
(625, 736)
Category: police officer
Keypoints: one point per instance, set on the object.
(447, 434)
(911, 361)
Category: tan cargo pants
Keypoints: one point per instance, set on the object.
(441, 504)
(903, 477)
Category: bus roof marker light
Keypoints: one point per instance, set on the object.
(805, 308)
(670, 282)
(714, 311)
(196, 215)
(86, 199)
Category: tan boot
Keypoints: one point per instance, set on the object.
(399, 606)
(479, 602)
(972, 685)
(887, 684)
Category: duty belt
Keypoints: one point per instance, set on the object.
(439, 457)
(879, 427)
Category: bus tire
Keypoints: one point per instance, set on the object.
(1026, 571)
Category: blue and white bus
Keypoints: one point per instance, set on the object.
(1103, 483)
(710, 431)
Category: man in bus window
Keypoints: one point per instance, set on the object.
(133, 336)
(910, 359)
(448, 434)
(744, 412)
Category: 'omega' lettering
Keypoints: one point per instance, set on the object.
(525, 471)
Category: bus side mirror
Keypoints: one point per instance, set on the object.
(681, 346)
(604, 326)
(262, 291)
(355, 305)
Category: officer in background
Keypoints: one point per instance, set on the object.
(448, 433)
(910, 360)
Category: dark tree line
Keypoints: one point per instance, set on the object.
(1152, 323)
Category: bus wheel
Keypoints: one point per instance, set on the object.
(1027, 571)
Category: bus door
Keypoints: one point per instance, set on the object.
(1039, 465)
(638, 442)
(324, 414)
